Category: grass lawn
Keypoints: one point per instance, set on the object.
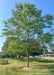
(41, 66)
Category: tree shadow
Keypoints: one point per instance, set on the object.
(50, 68)
(41, 60)
(52, 71)
(45, 66)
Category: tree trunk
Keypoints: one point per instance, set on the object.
(19, 56)
(28, 58)
(34, 57)
(28, 52)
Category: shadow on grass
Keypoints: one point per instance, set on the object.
(52, 71)
(37, 60)
(44, 60)
(45, 66)
(5, 63)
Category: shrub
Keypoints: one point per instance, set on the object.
(3, 61)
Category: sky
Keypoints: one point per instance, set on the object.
(47, 7)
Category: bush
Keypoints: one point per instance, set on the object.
(3, 61)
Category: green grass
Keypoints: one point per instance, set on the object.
(39, 67)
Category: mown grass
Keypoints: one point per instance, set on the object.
(40, 66)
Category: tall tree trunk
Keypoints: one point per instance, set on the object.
(28, 52)
(28, 58)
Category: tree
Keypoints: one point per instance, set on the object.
(11, 48)
(15, 48)
(27, 22)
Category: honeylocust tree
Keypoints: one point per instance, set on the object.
(26, 23)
